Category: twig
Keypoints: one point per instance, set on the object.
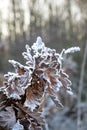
(80, 88)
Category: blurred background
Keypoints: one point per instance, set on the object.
(61, 24)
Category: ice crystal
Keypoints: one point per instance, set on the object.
(39, 45)
(72, 50)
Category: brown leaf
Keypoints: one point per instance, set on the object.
(33, 96)
(54, 96)
(65, 82)
(20, 71)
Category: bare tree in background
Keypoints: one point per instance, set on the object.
(79, 121)
(0, 26)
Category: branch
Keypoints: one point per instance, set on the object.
(80, 88)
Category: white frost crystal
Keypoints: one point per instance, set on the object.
(72, 50)
(38, 45)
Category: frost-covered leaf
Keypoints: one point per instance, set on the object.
(34, 95)
(7, 118)
(72, 50)
(43, 71)
(16, 64)
(54, 96)
(27, 88)
(38, 45)
(17, 84)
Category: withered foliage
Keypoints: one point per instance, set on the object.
(23, 95)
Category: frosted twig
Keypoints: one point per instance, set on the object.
(72, 50)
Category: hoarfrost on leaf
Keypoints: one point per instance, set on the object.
(69, 92)
(42, 75)
(15, 63)
(32, 104)
(72, 50)
(38, 45)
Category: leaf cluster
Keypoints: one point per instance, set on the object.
(24, 92)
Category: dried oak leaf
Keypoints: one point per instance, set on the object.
(30, 118)
(35, 95)
(17, 83)
(26, 113)
(42, 75)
